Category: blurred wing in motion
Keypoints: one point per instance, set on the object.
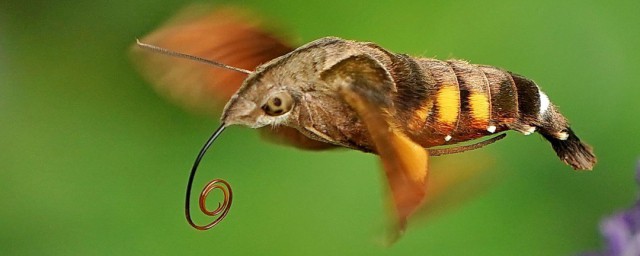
(226, 35)
(365, 88)
(456, 180)
(405, 163)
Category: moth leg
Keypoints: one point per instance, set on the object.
(460, 149)
(404, 161)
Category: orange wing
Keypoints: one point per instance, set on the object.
(405, 162)
(227, 35)
(365, 88)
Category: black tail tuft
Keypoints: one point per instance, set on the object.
(572, 151)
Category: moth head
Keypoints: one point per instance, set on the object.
(261, 101)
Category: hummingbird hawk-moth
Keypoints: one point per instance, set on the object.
(333, 93)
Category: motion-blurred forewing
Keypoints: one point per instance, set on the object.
(365, 87)
(227, 35)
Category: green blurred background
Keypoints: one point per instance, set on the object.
(93, 162)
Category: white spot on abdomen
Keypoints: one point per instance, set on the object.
(544, 103)
(529, 130)
(562, 135)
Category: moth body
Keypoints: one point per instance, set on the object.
(433, 102)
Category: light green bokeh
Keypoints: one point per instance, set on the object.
(93, 162)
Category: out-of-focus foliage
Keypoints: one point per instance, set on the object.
(94, 162)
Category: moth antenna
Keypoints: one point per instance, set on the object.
(223, 185)
(189, 57)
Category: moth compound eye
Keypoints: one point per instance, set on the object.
(278, 104)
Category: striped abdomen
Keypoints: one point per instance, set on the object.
(452, 101)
